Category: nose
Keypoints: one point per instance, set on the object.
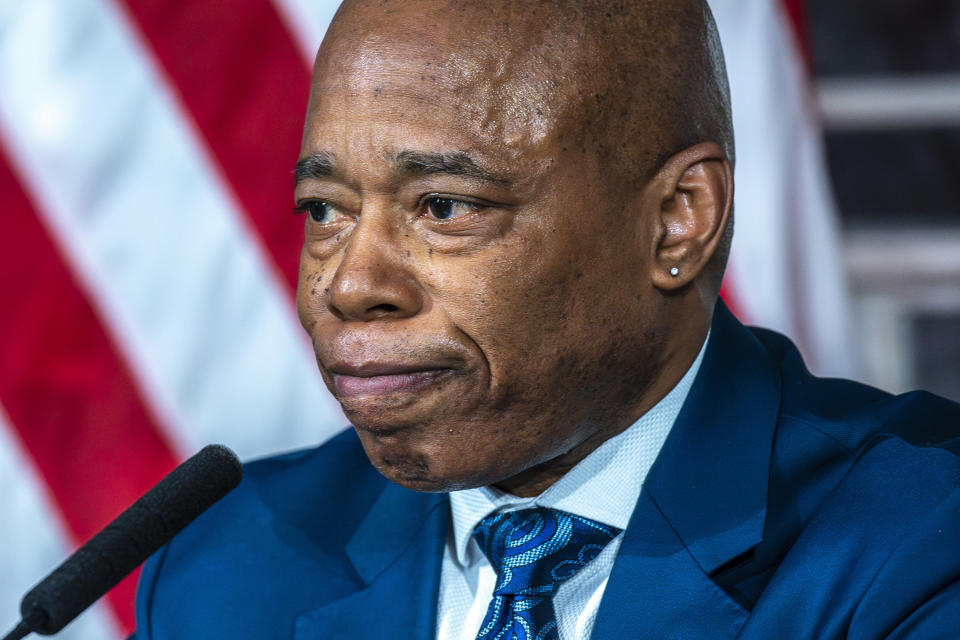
(372, 281)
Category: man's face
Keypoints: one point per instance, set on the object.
(473, 290)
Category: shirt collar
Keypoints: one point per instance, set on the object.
(604, 486)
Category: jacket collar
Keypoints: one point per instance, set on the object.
(394, 523)
(397, 552)
(704, 501)
(710, 479)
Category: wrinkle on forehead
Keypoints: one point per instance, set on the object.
(507, 81)
(521, 90)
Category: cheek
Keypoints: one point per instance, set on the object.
(491, 297)
(312, 283)
(523, 306)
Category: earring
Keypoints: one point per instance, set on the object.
(674, 271)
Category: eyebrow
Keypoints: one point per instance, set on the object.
(418, 163)
(315, 166)
(456, 164)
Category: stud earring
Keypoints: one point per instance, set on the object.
(674, 271)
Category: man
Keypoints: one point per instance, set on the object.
(517, 217)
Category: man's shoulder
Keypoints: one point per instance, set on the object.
(850, 443)
(301, 488)
(862, 510)
(878, 555)
(298, 490)
(279, 537)
(853, 414)
(319, 475)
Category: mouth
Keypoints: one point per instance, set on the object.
(383, 379)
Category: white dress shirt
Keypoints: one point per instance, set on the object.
(604, 486)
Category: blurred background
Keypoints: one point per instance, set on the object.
(148, 255)
(888, 78)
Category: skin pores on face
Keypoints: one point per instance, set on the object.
(478, 297)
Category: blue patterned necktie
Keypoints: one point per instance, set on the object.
(533, 552)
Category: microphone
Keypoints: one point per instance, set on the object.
(120, 547)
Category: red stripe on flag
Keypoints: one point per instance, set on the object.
(797, 12)
(70, 397)
(730, 298)
(239, 74)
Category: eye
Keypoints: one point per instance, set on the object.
(448, 208)
(319, 211)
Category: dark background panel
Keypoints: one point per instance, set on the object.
(937, 355)
(898, 179)
(884, 36)
(889, 178)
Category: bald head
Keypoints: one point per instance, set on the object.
(628, 84)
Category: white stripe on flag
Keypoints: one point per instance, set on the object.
(308, 21)
(34, 542)
(786, 265)
(140, 210)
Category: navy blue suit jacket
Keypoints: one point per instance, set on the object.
(782, 506)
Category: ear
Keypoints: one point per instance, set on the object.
(694, 195)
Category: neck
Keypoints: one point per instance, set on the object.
(538, 478)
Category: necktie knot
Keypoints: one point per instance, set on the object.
(534, 551)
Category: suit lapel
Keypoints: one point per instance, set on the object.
(657, 590)
(397, 552)
(703, 503)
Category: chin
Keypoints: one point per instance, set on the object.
(415, 477)
(412, 467)
(398, 463)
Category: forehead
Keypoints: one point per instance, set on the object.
(466, 81)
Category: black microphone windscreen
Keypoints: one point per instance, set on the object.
(131, 538)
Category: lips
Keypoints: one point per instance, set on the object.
(381, 378)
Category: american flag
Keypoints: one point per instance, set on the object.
(148, 259)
